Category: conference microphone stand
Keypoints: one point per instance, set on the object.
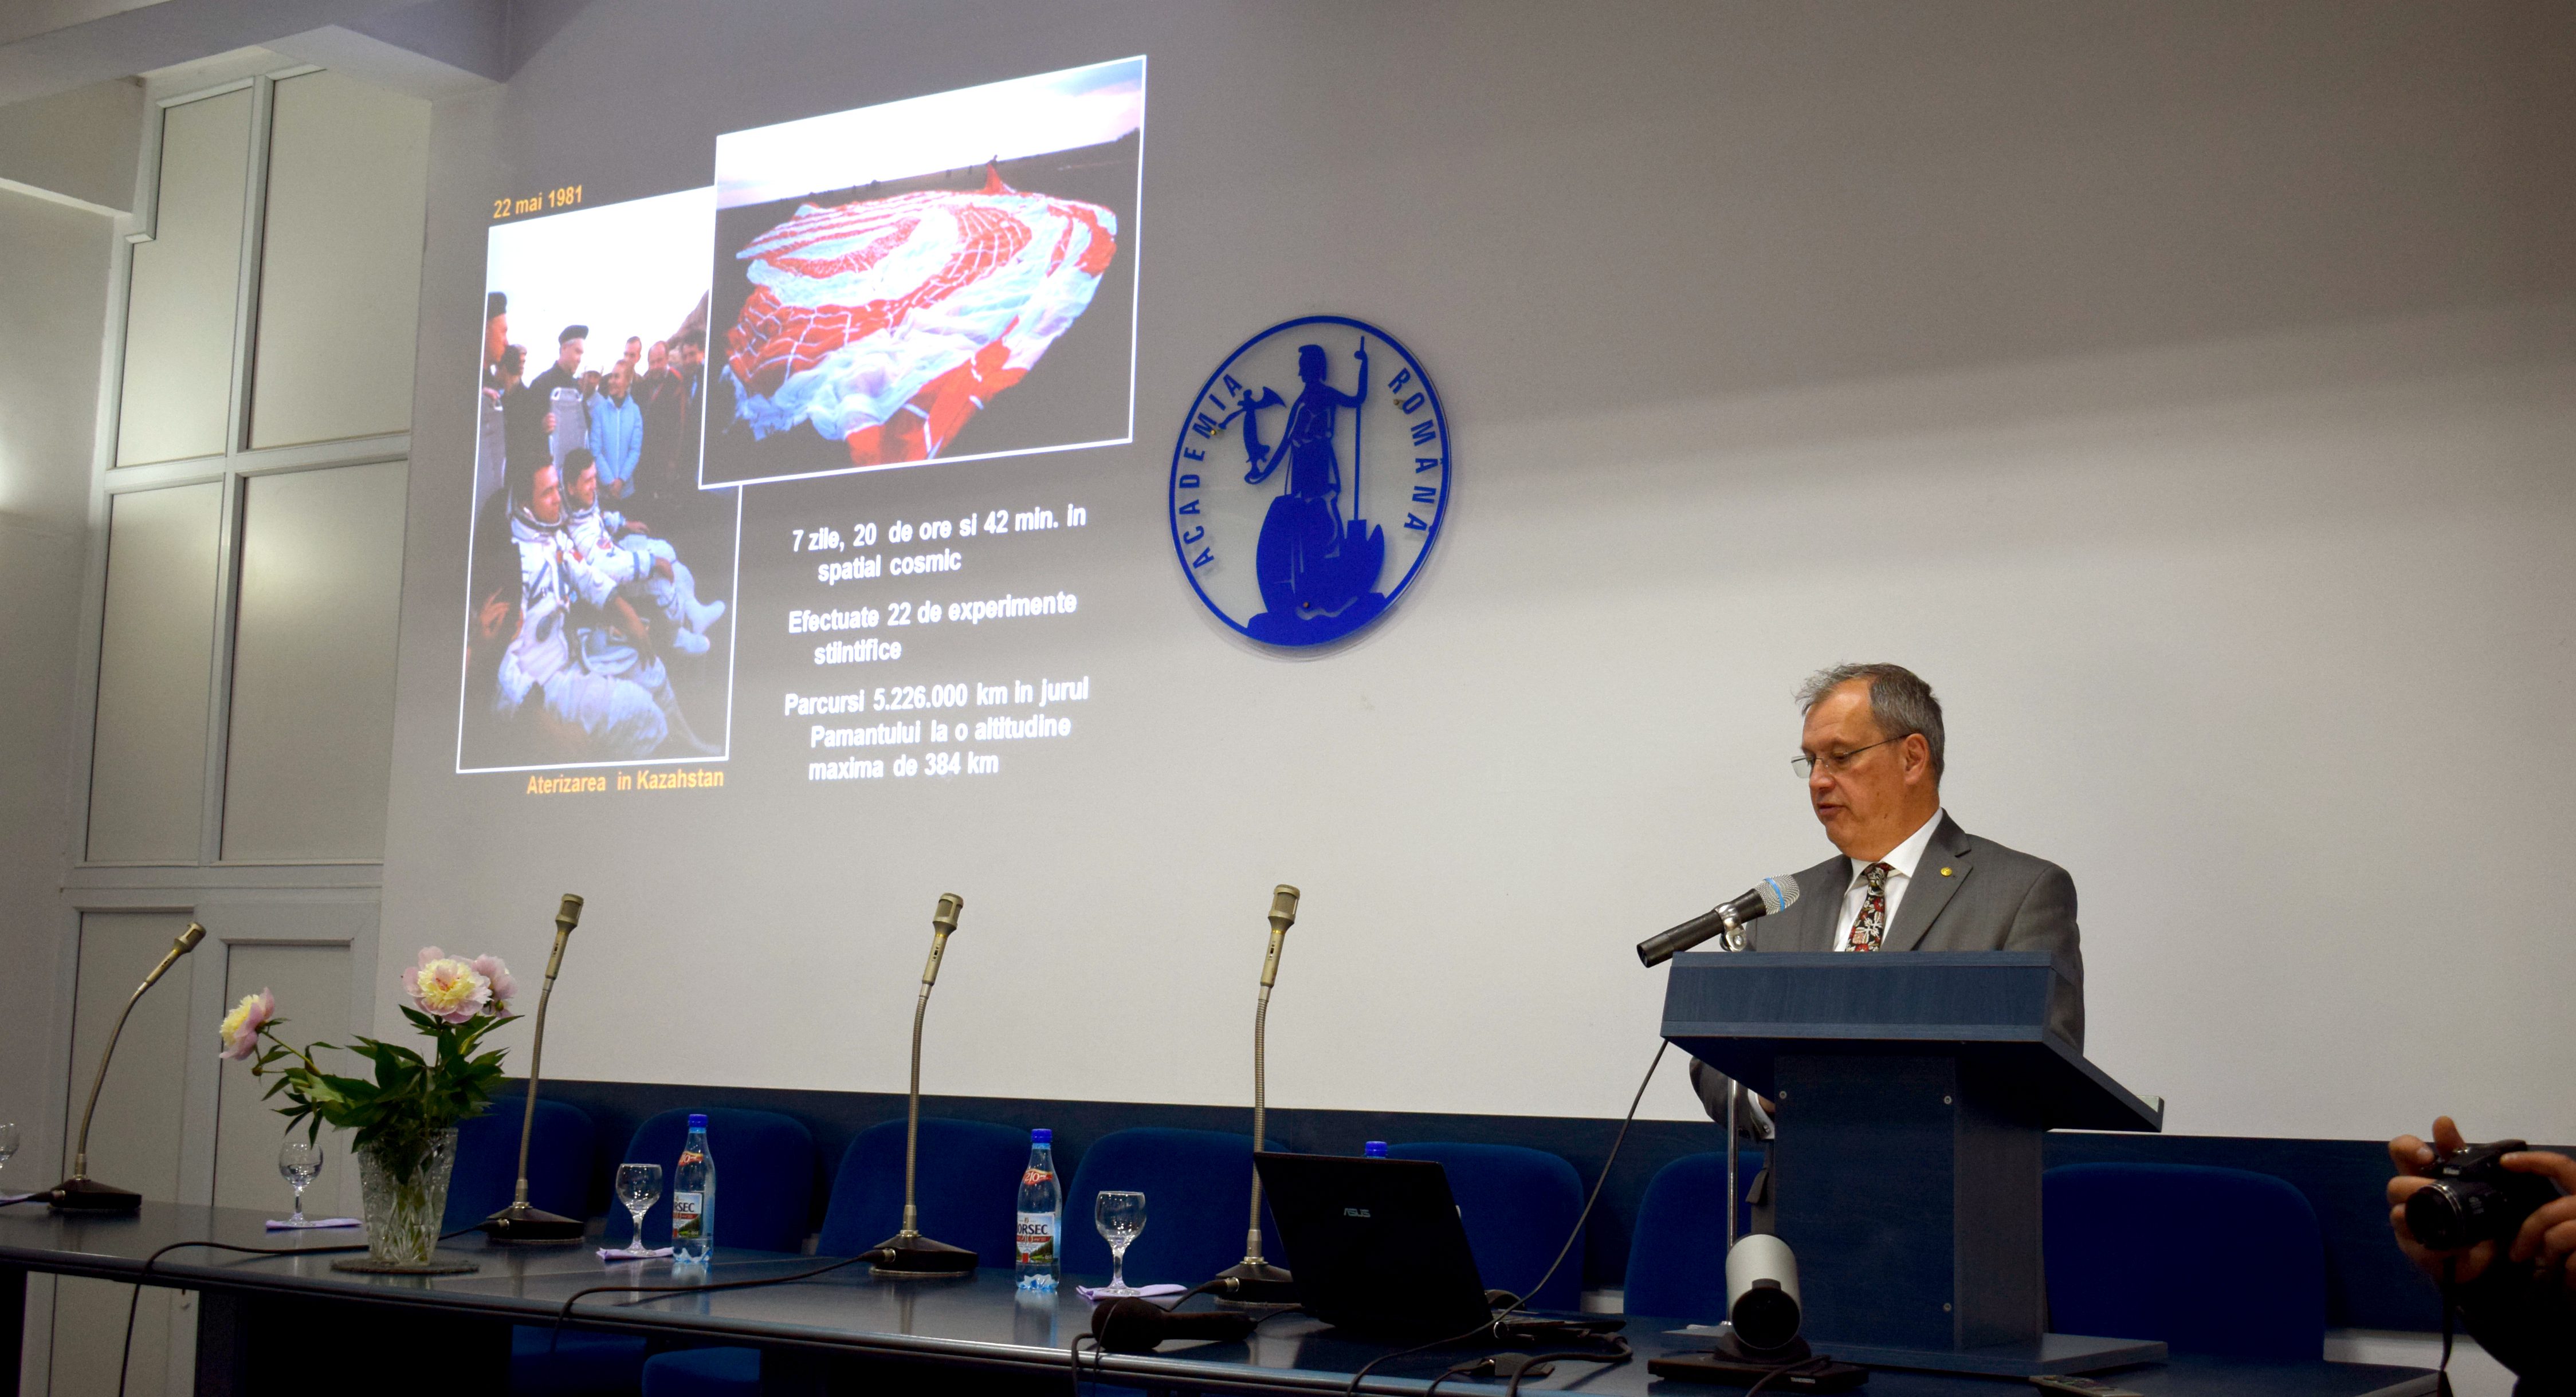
(519, 1222)
(1731, 938)
(80, 1193)
(914, 1254)
(1255, 1281)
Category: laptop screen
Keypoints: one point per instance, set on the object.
(1376, 1245)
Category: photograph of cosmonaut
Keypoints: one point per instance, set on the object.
(950, 277)
(597, 626)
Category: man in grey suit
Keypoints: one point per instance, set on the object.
(1908, 878)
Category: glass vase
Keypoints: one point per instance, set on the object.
(405, 1192)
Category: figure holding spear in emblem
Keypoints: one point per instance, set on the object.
(1308, 565)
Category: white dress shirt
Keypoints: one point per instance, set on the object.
(1900, 862)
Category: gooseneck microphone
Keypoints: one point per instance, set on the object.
(1768, 896)
(519, 1222)
(80, 1193)
(1255, 1281)
(912, 1253)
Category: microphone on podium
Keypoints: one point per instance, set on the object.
(80, 1193)
(908, 1252)
(1768, 896)
(1255, 1281)
(519, 1222)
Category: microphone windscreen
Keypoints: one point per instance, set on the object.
(188, 939)
(1778, 892)
(1283, 906)
(569, 915)
(945, 919)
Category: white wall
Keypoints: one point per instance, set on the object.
(54, 303)
(2185, 391)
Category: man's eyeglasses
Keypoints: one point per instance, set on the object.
(1806, 765)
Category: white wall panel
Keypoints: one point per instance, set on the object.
(339, 288)
(179, 314)
(313, 664)
(134, 1140)
(156, 647)
(311, 984)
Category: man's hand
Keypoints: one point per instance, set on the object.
(2548, 1236)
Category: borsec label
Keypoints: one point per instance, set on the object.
(1309, 480)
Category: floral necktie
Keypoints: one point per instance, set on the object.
(1870, 927)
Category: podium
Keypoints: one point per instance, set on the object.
(1913, 1089)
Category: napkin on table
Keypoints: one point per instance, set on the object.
(291, 1225)
(632, 1253)
(1143, 1292)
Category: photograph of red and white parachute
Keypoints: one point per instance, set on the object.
(980, 309)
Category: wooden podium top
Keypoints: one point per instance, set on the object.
(1738, 1012)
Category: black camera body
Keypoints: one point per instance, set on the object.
(2473, 1198)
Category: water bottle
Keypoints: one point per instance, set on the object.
(1041, 1215)
(693, 1199)
(1374, 1149)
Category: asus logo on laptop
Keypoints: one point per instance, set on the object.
(1355, 1212)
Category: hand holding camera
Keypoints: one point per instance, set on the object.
(2454, 1201)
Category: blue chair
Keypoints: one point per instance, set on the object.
(968, 1191)
(1197, 1186)
(764, 1176)
(764, 1192)
(1677, 1257)
(1518, 1204)
(967, 1195)
(2212, 1261)
(487, 1162)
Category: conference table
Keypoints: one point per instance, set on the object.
(268, 1321)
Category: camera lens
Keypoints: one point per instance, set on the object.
(1765, 1317)
(2449, 1213)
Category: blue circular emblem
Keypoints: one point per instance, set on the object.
(1302, 509)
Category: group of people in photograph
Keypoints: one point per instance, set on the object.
(580, 609)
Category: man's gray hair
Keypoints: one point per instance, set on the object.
(1899, 701)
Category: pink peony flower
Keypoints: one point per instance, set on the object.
(504, 989)
(445, 988)
(240, 1028)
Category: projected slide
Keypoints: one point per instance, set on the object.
(679, 577)
(947, 278)
(598, 625)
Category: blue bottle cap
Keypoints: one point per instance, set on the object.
(697, 1121)
(1375, 1149)
(1041, 1136)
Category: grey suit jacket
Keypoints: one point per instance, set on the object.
(1968, 894)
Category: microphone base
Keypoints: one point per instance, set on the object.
(78, 1194)
(1255, 1285)
(521, 1225)
(1731, 1347)
(918, 1258)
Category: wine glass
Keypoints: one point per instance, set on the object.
(8, 1143)
(1120, 1216)
(301, 1162)
(639, 1187)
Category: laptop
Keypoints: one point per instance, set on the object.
(1376, 1244)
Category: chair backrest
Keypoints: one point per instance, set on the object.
(1197, 1186)
(967, 1190)
(764, 1177)
(1677, 1257)
(1518, 1204)
(2212, 1261)
(487, 1162)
